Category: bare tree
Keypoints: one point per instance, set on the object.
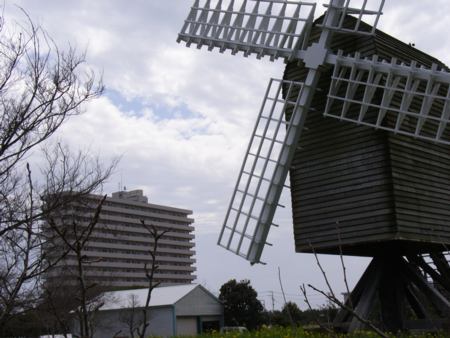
(74, 235)
(129, 317)
(136, 321)
(19, 265)
(28, 250)
(40, 87)
(55, 309)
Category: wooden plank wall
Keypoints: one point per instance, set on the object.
(421, 177)
(354, 187)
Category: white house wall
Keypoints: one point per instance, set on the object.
(109, 323)
(198, 303)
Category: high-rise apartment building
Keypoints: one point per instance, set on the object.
(118, 248)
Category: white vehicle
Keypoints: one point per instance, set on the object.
(233, 329)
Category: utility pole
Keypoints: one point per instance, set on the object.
(273, 301)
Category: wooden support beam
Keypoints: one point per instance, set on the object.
(437, 277)
(392, 295)
(367, 300)
(367, 277)
(443, 267)
(441, 304)
(393, 285)
(417, 301)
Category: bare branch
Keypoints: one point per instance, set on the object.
(324, 275)
(344, 269)
(156, 235)
(336, 301)
(291, 320)
(306, 299)
(332, 297)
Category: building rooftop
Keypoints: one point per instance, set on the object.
(132, 195)
(137, 198)
(161, 296)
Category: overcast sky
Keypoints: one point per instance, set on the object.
(181, 118)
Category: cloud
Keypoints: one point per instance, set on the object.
(423, 23)
(177, 157)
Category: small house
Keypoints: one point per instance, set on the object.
(174, 310)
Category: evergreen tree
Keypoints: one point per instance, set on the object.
(241, 305)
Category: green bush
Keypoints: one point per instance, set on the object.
(283, 332)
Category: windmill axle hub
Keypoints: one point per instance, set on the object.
(315, 56)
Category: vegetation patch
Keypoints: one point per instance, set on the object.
(310, 332)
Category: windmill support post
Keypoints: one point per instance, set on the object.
(395, 284)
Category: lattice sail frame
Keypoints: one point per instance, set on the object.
(406, 99)
(263, 171)
(268, 28)
(363, 10)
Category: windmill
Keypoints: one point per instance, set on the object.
(376, 185)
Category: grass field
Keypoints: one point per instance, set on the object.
(301, 333)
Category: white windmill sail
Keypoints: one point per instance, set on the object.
(263, 27)
(402, 98)
(264, 170)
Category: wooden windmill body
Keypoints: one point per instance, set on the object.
(378, 186)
